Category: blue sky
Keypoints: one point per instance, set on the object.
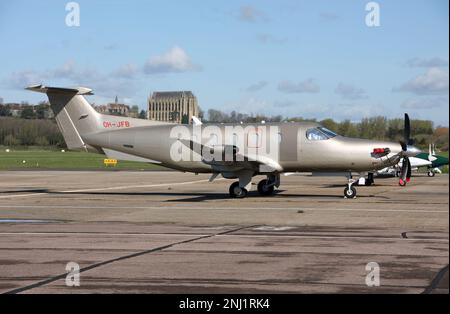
(316, 59)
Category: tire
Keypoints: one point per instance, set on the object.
(431, 174)
(402, 182)
(350, 192)
(236, 191)
(263, 189)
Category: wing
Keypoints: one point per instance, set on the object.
(254, 162)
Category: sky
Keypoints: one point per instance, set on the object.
(314, 59)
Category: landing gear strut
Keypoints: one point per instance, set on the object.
(240, 188)
(350, 191)
(370, 180)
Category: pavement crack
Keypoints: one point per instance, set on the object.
(121, 258)
(436, 280)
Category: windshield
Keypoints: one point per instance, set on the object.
(319, 134)
(327, 132)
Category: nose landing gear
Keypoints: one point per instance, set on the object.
(350, 191)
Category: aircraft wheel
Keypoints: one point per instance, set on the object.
(264, 188)
(402, 182)
(236, 191)
(431, 173)
(350, 192)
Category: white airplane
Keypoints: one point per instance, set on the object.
(431, 161)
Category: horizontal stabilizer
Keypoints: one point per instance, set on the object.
(113, 154)
(59, 90)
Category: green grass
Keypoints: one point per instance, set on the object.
(55, 159)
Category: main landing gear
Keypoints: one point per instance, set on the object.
(431, 173)
(266, 187)
(236, 191)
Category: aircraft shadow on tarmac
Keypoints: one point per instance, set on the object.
(25, 191)
(190, 196)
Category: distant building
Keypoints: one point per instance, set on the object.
(14, 109)
(114, 108)
(1, 101)
(178, 107)
(41, 111)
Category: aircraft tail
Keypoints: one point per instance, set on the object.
(74, 115)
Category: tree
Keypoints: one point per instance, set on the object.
(216, 116)
(27, 113)
(185, 119)
(330, 124)
(347, 128)
(40, 112)
(41, 141)
(4, 111)
(142, 114)
(10, 140)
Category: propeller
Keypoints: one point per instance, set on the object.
(405, 175)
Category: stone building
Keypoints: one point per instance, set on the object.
(114, 108)
(178, 107)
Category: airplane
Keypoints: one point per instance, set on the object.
(435, 161)
(432, 161)
(235, 151)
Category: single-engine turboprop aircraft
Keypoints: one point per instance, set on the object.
(236, 151)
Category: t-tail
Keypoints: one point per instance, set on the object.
(76, 118)
(73, 114)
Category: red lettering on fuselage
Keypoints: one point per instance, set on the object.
(118, 124)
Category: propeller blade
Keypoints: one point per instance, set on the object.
(408, 172)
(404, 172)
(407, 130)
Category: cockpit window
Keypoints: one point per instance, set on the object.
(330, 133)
(319, 134)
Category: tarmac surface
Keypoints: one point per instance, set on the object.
(170, 232)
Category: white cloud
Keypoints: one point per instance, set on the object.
(257, 86)
(23, 79)
(270, 39)
(424, 103)
(248, 13)
(307, 86)
(175, 60)
(329, 16)
(66, 70)
(126, 71)
(427, 63)
(349, 91)
(433, 82)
